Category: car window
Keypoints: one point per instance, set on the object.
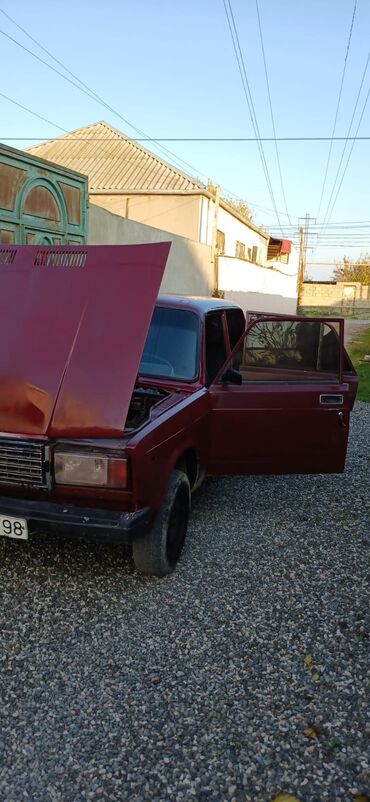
(215, 345)
(288, 350)
(235, 325)
(172, 345)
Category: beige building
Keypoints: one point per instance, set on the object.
(135, 196)
(129, 181)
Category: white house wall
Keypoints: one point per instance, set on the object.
(259, 288)
(236, 231)
(205, 221)
(189, 270)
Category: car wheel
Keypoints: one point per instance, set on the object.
(159, 550)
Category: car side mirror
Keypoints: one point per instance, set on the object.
(231, 376)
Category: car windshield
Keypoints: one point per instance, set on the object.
(171, 348)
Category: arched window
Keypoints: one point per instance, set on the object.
(41, 203)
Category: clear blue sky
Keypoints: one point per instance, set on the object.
(169, 68)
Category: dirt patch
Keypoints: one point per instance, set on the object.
(354, 329)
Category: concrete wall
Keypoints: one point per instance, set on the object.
(337, 294)
(179, 214)
(188, 270)
(258, 288)
(190, 216)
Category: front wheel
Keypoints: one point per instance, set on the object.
(159, 550)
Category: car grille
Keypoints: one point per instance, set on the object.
(23, 463)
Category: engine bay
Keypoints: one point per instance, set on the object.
(142, 400)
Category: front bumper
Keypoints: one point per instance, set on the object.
(110, 526)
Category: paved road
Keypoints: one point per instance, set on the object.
(199, 686)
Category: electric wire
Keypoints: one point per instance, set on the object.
(201, 139)
(156, 141)
(354, 138)
(337, 110)
(20, 105)
(271, 111)
(94, 96)
(249, 99)
(90, 93)
(98, 139)
(329, 214)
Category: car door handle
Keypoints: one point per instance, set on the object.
(331, 398)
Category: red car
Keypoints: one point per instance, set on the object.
(114, 404)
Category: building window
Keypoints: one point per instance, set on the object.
(239, 250)
(252, 253)
(220, 243)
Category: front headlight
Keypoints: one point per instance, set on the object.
(90, 470)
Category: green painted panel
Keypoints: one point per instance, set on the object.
(41, 202)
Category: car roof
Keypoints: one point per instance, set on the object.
(196, 303)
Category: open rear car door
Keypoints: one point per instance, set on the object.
(281, 403)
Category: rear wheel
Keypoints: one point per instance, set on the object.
(159, 550)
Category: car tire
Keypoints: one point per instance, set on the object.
(158, 551)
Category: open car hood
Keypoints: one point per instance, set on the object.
(73, 323)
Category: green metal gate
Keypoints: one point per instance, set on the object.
(40, 203)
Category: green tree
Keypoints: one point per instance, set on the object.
(354, 271)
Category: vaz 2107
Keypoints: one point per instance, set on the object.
(116, 403)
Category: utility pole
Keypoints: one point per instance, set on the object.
(214, 255)
(303, 242)
(300, 266)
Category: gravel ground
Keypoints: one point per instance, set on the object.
(118, 687)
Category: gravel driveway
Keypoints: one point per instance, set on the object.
(201, 685)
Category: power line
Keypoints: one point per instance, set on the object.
(354, 235)
(15, 102)
(337, 109)
(344, 223)
(44, 49)
(93, 139)
(327, 264)
(93, 95)
(271, 111)
(342, 243)
(327, 216)
(349, 156)
(357, 231)
(248, 97)
(207, 138)
(350, 232)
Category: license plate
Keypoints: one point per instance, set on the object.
(13, 527)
